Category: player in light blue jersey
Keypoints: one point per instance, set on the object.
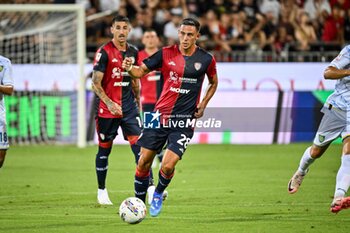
(6, 88)
(335, 123)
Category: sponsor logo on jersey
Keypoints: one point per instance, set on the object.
(115, 60)
(188, 80)
(171, 63)
(179, 90)
(121, 84)
(116, 72)
(173, 77)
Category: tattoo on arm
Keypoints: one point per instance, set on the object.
(97, 77)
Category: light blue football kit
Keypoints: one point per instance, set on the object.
(336, 119)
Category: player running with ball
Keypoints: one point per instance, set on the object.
(183, 68)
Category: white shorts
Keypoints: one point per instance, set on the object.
(334, 123)
(4, 142)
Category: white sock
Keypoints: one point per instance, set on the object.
(305, 161)
(343, 177)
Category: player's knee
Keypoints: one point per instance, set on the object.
(346, 146)
(142, 166)
(346, 150)
(167, 168)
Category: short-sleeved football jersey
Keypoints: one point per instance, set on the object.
(116, 82)
(5, 79)
(340, 98)
(182, 79)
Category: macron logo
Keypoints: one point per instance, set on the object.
(172, 63)
(179, 90)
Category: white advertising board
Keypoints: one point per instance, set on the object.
(232, 76)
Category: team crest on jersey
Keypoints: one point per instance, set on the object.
(1, 68)
(321, 138)
(197, 65)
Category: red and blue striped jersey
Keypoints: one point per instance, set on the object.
(150, 83)
(182, 79)
(116, 82)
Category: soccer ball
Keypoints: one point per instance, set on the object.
(132, 210)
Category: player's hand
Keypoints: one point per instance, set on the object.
(127, 63)
(114, 108)
(199, 111)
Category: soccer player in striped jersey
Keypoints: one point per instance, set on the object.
(335, 123)
(118, 100)
(6, 88)
(183, 68)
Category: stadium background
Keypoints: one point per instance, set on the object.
(47, 185)
(245, 37)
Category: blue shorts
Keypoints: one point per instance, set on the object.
(107, 128)
(176, 139)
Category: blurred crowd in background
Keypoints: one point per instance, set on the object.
(229, 27)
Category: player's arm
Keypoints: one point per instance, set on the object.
(6, 89)
(210, 91)
(135, 71)
(332, 72)
(113, 107)
(6, 86)
(135, 83)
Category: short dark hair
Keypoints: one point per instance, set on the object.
(150, 30)
(120, 18)
(191, 22)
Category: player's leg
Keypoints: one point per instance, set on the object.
(176, 147)
(151, 141)
(332, 124)
(2, 156)
(136, 149)
(4, 143)
(310, 155)
(166, 173)
(142, 174)
(343, 180)
(106, 130)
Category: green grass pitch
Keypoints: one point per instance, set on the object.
(216, 188)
